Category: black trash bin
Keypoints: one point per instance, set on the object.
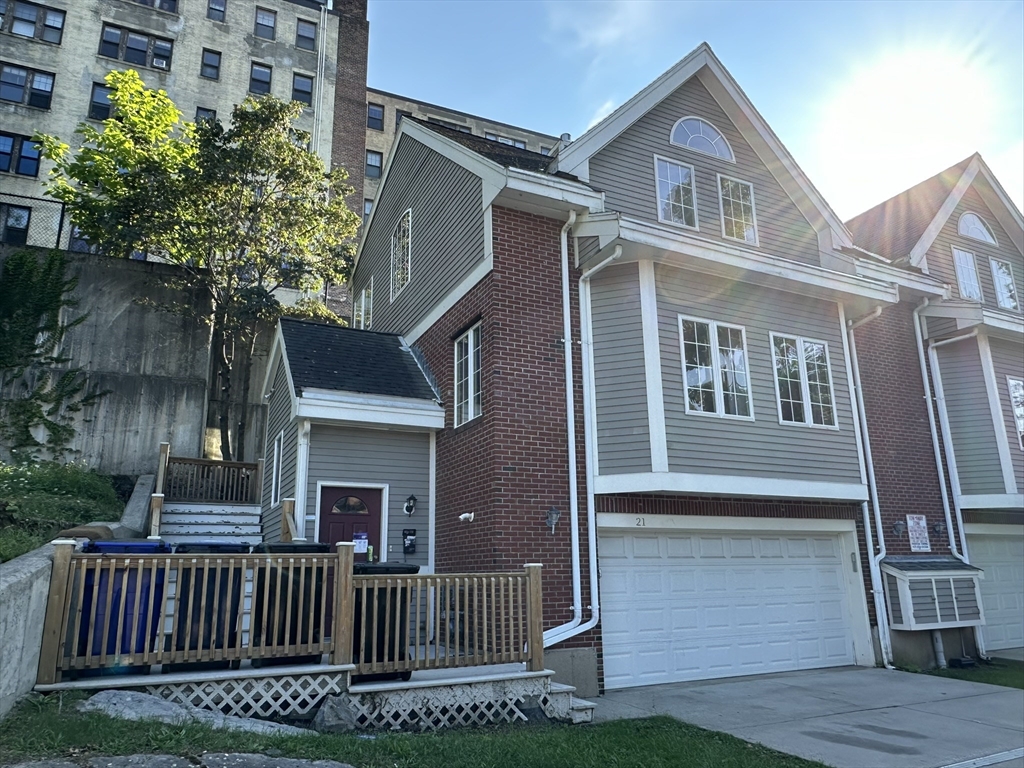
(300, 629)
(391, 621)
(218, 618)
(126, 584)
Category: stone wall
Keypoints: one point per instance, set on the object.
(24, 586)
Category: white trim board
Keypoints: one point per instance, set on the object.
(323, 406)
(714, 523)
(996, 410)
(728, 485)
(991, 501)
(994, 529)
(382, 556)
(652, 368)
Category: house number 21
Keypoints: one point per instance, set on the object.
(640, 522)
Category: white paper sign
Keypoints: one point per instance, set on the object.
(917, 530)
(362, 541)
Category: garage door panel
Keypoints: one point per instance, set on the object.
(646, 547)
(1002, 589)
(726, 606)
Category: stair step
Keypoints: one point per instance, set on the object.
(218, 538)
(212, 508)
(582, 711)
(209, 529)
(561, 687)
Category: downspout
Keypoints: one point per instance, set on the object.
(564, 633)
(321, 68)
(301, 476)
(874, 559)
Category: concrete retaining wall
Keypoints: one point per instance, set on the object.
(24, 584)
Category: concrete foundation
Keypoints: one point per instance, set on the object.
(915, 649)
(574, 666)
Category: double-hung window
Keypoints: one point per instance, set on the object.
(677, 201)
(18, 154)
(99, 103)
(210, 67)
(468, 398)
(374, 161)
(375, 117)
(275, 471)
(736, 199)
(302, 89)
(1016, 387)
(216, 9)
(32, 20)
(14, 221)
(259, 78)
(1006, 289)
(803, 381)
(401, 254)
(266, 24)
(967, 275)
(305, 34)
(715, 370)
(202, 113)
(362, 309)
(26, 86)
(135, 48)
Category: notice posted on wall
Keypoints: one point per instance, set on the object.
(362, 540)
(917, 530)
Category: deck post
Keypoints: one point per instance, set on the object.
(56, 604)
(344, 598)
(256, 487)
(287, 520)
(161, 467)
(156, 508)
(535, 617)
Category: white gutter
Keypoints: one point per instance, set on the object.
(555, 634)
(590, 450)
(874, 559)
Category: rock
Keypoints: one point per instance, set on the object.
(243, 760)
(335, 716)
(132, 705)
(46, 764)
(141, 761)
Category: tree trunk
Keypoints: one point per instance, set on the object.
(246, 385)
(224, 361)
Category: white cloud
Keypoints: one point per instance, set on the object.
(598, 26)
(602, 112)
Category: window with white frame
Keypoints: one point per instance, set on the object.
(736, 199)
(1016, 387)
(362, 310)
(275, 471)
(702, 136)
(967, 275)
(973, 226)
(803, 381)
(1006, 289)
(468, 398)
(401, 254)
(715, 371)
(677, 202)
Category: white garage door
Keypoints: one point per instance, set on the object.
(689, 606)
(1002, 589)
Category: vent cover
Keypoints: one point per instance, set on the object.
(922, 600)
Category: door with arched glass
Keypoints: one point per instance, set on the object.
(350, 514)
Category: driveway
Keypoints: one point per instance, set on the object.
(851, 717)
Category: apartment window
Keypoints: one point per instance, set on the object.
(545, 150)
(374, 160)
(79, 243)
(26, 86)
(973, 226)
(211, 64)
(468, 397)
(736, 199)
(803, 381)
(715, 371)
(202, 113)
(19, 154)
(401, 254)
(676, 199)
(135, 48)
(367, 207)
(305, 34)
(504, 140)
(171, 6)
(216, 9)
(1016, 387)
(702, 136)
(302, 89)
(1006, 290)
(14, 221)
(362, 309)
(449, 124)
(266, 24)
(32, 20)
(259, 78)
(375, 117)
(99, 102)
(967, 275)
(399, 114)
(275, 470)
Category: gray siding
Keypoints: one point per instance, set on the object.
(970, 421)
(623, 442)
(625, 171)
(401, 459)
(447, 226)
(278, 420)
(940, 255)
(764, 447)
(1008, 360)
(589, 247)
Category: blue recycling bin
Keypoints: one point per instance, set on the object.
(126, 583)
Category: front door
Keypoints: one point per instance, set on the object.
(346, 512)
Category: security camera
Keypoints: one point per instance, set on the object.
(466, 517)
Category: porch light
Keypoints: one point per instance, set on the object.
(410, 504)
(939, 528)
(899, 528)
(552, 517)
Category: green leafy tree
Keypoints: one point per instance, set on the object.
(243, 210)
(38, 391)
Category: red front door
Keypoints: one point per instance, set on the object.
(346, 512)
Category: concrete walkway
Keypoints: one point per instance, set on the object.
(851, 717)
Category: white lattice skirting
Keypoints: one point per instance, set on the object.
(285, 695)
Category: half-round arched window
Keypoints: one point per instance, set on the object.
(698, 134)
(972, 225)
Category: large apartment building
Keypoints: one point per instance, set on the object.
(207, 54)
(384, 113)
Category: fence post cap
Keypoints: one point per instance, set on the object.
(160, 495)
(59, 542)
(534, 565)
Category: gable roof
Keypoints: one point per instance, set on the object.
(905, 226)
(702, 63)
(331, 357)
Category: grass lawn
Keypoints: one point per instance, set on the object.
(52, 727)
(1000, 672)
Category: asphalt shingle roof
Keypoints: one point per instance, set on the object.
(324, 356)
(914, 563)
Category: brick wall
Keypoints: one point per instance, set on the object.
(349, 141)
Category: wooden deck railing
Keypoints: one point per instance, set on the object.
(124, 611)
(207, 480)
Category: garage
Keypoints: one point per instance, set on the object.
(689, 605)
(1001, 557)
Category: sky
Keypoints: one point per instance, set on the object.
(869, 97)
